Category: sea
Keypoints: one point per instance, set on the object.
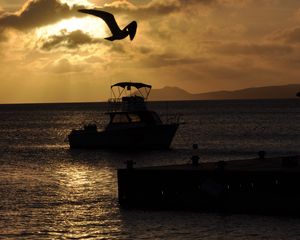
(48, 191)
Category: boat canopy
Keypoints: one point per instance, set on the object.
(130, 89)
(127, 85)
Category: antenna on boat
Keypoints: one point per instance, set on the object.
(110, 91)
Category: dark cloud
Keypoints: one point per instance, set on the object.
(73, 40)
(37, 13)
(118, 48)
(291, 35)
(145, 50)
(69, 40)
(254, 49)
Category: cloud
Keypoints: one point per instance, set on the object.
(3, 36)
(70, 40)
(167, 59)
(118, 47)
(63, 66)
(216, 32)
(153, 8)
(291, 35)
(254, 49)
(164, 7)
(120, 4)
(37, 13)
(297, 14)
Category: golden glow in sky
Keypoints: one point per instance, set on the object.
(91, 25)
(49, 52)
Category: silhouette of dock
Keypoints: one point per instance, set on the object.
(262, 185)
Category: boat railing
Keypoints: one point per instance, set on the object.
(125, 104)
(114, 104)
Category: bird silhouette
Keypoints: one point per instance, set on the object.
(117, 33)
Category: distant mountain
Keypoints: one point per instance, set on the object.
(271, 92)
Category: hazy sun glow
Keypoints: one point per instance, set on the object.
(224, 45)
(93, 26)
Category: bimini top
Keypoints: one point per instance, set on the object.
(127, 85)
(131, 95)
(130, 90)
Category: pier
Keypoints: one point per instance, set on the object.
(261, 185)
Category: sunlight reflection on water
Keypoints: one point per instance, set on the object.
(48, 191)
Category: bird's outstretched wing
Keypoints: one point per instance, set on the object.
(106, 16)
(132, 29)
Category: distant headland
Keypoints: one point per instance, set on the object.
(269, 92)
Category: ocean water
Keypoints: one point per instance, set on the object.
(48, 191)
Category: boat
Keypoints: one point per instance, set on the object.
(131, 124)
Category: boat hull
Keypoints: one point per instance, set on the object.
(138, 137)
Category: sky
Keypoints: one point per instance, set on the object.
(50, 52)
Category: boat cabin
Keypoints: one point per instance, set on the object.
(146, 117)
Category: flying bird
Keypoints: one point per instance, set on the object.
(117, 33)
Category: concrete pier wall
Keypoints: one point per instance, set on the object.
(249, 186)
